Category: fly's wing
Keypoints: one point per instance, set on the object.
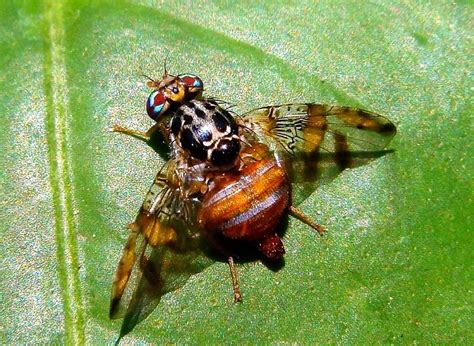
(162, 252)
(317, 141)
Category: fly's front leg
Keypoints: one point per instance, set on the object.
(143, 136)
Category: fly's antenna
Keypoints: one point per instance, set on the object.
(148, 77)
(165, 66)
(151, 83)
(164, 63)
(142, 74)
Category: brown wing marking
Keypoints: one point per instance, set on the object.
(311, 127)
(342, 155)
(146, 232)
(162, 252)
(155, 232)
(122, 275)
(315, 141)
(314, 129)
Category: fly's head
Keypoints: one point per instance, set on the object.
(171, 92)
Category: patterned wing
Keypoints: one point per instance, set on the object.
(318, 141)
(162, 252)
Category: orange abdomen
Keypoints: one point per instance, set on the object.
(247, 205)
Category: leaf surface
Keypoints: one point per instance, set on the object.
(396, 264)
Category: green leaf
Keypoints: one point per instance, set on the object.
(396, 264)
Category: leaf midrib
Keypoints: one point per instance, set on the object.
(57, 125)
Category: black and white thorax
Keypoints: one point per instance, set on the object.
(204, 131)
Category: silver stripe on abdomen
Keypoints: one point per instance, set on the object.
(233, 189)
(257, 209)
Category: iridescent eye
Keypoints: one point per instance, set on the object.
(193, 82)
(156, 104)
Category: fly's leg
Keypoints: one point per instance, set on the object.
(235, 280)
(143, 136)
(224, 251)
(305, 219)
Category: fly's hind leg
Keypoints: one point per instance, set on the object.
(217, 246)
(235, 280)
(143, 136)
(305, 219)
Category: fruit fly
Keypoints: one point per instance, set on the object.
(227, 184)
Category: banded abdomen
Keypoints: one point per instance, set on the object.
(248, 205)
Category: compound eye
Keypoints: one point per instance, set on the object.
(193, 82)
(156, 104)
